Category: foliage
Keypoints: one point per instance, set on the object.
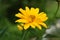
(8, 8)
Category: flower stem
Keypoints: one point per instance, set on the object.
(57, 9)
(24, 34)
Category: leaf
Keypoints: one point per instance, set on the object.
(2, 32)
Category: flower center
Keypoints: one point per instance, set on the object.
(32, 17)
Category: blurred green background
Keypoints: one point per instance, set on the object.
(8, 9)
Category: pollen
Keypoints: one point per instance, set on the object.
(32, 18)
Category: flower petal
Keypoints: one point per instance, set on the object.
(43, 16)
(22, 11)
(27, 9)
(32, 11)
(32, 26)
(19, 15)
(38, 26)
(37, 10)
(19, 27)
(26, 26)
(22, 20)
(44, 25)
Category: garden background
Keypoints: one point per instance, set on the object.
(8, 27)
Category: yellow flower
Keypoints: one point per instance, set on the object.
(31, 18)
(19, 27)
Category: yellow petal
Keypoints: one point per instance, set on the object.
(44, 25)
(43, 16)
(19, 15)
(22, 24)
(32, 26)
(26, 26)
(38, 26)
(19, 27)
(22, 11)
(27, 9)
(37, 10)
(32, 11)
(22, 20)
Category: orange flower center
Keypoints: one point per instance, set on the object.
(32, 18)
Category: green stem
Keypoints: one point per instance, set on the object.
(57, 10)
(24, 34)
